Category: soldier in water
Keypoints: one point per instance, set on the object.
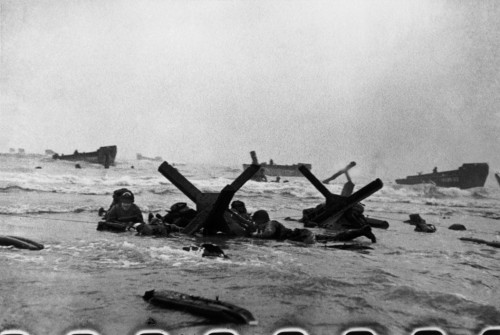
(125, 212)
(271, 229)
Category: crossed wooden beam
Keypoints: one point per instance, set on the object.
(337, 205)
(349, 186)
(212, 207)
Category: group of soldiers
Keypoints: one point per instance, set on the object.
(123, 214)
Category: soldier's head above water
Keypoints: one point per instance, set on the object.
(239, 206)
(260, 216)
(126, 200)
(179, 207)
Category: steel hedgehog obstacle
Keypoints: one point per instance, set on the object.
(213, 214)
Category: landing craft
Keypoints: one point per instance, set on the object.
(141, 157)
(277, 170)
(467, 176)
(103, 155)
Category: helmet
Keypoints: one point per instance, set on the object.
(237, 203)
(260, 215)
(178, 207)
(117, 194)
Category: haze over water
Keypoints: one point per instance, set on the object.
(398, 86)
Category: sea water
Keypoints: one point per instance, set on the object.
(87, 279)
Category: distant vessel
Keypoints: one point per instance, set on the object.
(275, 170)
(467, 176)
(103, 155)
(20, 153)
(141, 157)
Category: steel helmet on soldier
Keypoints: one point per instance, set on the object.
(260, 216)
(237, 203)
(179, 207)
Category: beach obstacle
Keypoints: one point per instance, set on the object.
(259, 175)
(336, 205)
(349, 186)
(212, 207)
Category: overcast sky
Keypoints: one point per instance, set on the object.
(397, 86)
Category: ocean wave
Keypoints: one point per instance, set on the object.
(16, 188)
(163, 191)
(432, 191)
(104, 252)
(439, 301)
(61, 178)
(317, 285)
(27, 210)
(379, 276)
(55, 189)
(480, 194)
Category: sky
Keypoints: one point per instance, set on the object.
(397, 86)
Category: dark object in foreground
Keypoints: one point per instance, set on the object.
(213, 309)
(115, 227)
(348, 235)
(104, 156)
(457, 226)
(420, 224)
(414, 219)
(350, 246)
(20, 243)
(467, 176)
(376, 223)
(476, 240)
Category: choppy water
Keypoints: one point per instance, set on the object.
(95, 280)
